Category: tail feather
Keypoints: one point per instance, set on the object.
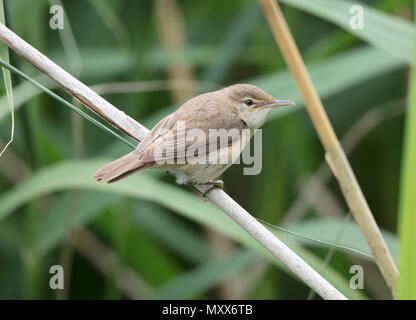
(120, 169)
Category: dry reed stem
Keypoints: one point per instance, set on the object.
(171, 30)
(137, 131)
(335, 155)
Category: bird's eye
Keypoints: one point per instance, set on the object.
(248, 102)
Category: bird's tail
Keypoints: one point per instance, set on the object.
(120, 169)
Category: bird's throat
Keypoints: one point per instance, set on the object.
(256, 118)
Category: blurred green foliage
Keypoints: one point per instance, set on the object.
(407, 284)
(145, 237)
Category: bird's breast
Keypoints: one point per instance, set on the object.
(214, 164)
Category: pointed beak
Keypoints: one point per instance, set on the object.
(280, 103)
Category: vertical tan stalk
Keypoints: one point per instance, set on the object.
(335, 155)
(169, 23)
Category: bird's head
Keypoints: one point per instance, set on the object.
(252, 103)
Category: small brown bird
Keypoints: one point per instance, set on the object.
(171, 144)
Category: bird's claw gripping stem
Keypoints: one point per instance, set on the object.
(212, 185)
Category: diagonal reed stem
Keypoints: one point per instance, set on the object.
(334, 155)
(134, 129)
(64, 102)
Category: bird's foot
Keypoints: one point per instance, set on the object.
(212, 185)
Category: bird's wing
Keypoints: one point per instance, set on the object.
(158, 131)
(174, 135)
(137, 160)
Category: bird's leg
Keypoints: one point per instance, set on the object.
(212, 185)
